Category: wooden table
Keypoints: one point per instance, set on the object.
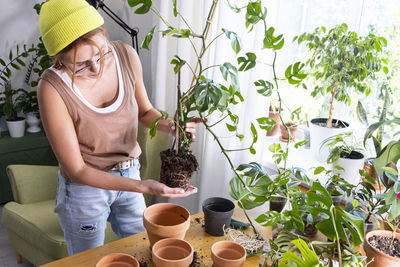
(138, 245)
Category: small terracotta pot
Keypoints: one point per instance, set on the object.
(228, 254)
(380, 258)
(117, 260)
(166, 220)
(172, 252)
(284, 133)
(275, 116)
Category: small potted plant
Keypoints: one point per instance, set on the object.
(340, 60)
(11, 107)
(346, 156)
(30, 107)
(381, 245)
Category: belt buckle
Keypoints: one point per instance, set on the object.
(126, 164)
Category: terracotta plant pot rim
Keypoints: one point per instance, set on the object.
(381, 233)
(167, 240)
(105, 258)
(229, 260)
(150, 225)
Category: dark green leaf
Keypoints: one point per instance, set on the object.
(146, 41)
(247, 62)
(144, 8)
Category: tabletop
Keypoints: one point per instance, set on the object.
(138, 245)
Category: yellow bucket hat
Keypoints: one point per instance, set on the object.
(63, 21)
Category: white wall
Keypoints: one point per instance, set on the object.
(19, 25)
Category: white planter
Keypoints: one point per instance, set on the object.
(33, 123)
(319, 133)
(16, 128)
(351, 168)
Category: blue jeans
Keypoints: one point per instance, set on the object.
(83, 211)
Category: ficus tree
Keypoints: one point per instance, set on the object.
(340, 60)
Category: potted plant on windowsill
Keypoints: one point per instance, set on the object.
(340, 60)
(347, 158)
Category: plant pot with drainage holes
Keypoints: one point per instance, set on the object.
(166, 220)
(218, 212)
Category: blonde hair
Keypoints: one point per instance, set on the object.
(84, 39)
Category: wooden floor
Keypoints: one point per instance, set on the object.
(7, 255)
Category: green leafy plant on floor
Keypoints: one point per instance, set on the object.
(341, 60)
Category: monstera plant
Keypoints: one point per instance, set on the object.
(205, 96)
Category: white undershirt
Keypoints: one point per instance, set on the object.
(111, 108)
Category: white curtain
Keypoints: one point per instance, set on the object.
(214, 172)
(290, 18)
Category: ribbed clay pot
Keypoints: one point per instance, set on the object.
(285, 134)
(380, 258)
(166, 220)
(275, 117)
(217, 215)
(117, 260)
(172, 252)
(228, 254)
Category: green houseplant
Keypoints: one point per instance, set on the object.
(384, 246)
(346, 153)
(205, 96)
(340, 60)
(11, 106)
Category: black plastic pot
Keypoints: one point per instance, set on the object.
(277, 204)
(217, 215)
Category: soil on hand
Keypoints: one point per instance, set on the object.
(176, 170)
(382, 243)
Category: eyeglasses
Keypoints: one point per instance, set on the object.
(89, 64)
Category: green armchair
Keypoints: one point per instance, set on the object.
(32, 226)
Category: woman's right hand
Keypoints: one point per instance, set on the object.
(153, 187)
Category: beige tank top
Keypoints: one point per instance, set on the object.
(104, 138)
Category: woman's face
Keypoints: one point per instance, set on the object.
(87, 61)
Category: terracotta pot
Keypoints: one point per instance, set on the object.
(218, 212)
(380, 258)
(117, 260)
(172, 252)
(275, 116)
(228, 254)
(166, 220)
(284, 133)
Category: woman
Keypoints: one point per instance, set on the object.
(91, 101)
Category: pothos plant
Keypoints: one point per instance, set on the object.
(205, 96)
(341, 60)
